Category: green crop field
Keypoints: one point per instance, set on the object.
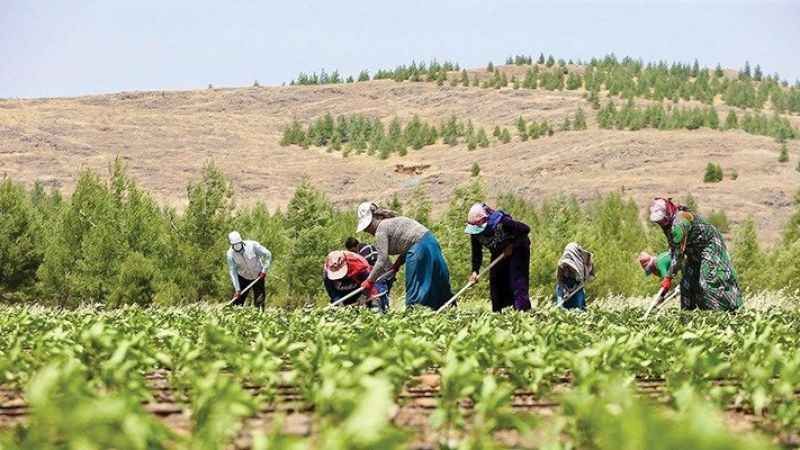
(207, 378)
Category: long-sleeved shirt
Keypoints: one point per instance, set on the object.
(686, 237)
(357, 271)
(248, 263)
(506, 232)
(394, 237)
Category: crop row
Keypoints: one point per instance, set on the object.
(351, 367)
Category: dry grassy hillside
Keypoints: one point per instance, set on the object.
(165, 138)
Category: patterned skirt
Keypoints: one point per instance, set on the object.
(709, 279)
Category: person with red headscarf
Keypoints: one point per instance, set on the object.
(698, 250)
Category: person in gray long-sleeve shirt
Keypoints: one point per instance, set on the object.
(427, 275)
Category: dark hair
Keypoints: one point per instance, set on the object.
(382, 213)
(351, 243)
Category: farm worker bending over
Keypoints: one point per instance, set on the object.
(575, 269)
(344, 272)
(370, 253)
(247, 261)
(657, 266)
(427, 275)
(697, 248)
(502, 235)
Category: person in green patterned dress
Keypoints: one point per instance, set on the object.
(698, 250)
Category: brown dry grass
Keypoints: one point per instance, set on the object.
(165, 138)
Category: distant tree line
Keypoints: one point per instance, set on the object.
(627, 78)
(632, 117)
(362, 134)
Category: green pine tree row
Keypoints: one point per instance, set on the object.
(111, 242)
(632, 117)
(361, 134)
(627, 78)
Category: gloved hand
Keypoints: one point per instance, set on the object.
(262, 275)
(666, 284)
(237, 294)
(367, 285)
(473, 278)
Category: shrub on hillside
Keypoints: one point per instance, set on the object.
(713, 173)
(720, 221)
(783, 156)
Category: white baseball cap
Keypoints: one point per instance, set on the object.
(234, 237)
(364, 213)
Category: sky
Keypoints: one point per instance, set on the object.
(75, 47)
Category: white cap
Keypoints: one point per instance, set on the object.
(234, 237)
(364, 213)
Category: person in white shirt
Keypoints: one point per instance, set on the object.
(248, 261)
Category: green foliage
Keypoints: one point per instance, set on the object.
(364, 134)
(731, 121)
(419, 206)
(713, 173)
(20, 251)
(747, 255)
(310, 218)
(136, 281)
(719, 219)
(476, 170)
(580, 120)
(323, 77)
(505, 136)
(783, 156)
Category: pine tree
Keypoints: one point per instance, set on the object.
(784, 155)
(472, 143)
(594, 99)
(712, 118)
(363, 75)
(580, 120)
(490, 67)
(718, 71)
(521, 125)
(505, 136)
(497, 132)
(757, 73)
(551, 61)
(541, 59)
(745, 74)
(731, 121)
(476, 170)
(713, 173)
(464, 78)
(483, 140)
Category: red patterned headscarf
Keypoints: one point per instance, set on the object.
(662, 209)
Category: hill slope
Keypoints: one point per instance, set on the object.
(165, 138)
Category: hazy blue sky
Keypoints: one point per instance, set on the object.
(71, 47)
